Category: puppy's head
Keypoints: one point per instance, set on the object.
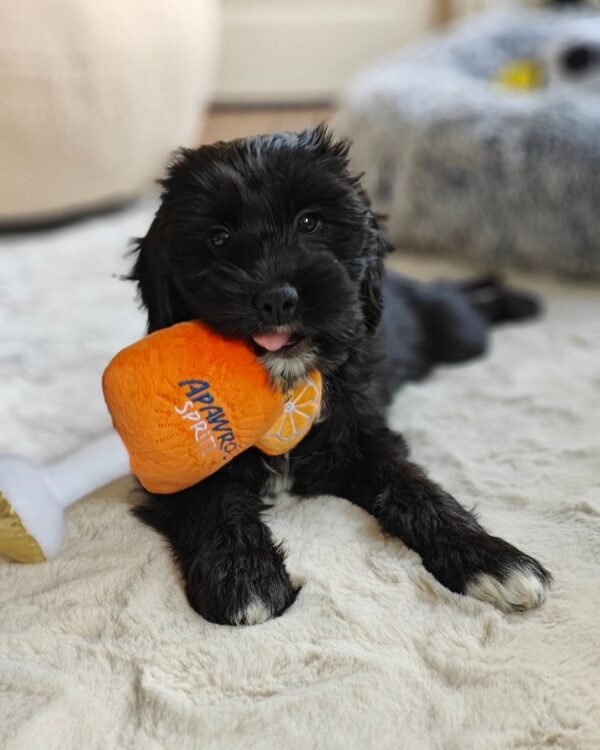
(271, 240)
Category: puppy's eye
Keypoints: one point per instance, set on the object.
(309, 223)
(218, 236)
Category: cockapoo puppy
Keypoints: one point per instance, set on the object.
(272, 240)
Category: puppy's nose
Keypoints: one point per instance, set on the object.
(277, 305)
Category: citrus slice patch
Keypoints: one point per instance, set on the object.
(300, 411)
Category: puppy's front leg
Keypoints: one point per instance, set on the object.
(453, 545)
(234, 573)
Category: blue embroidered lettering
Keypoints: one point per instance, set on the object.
(220, 425)
(195, 387)
(211, 412)
(210, 425)
(204, 398)
(227, 437)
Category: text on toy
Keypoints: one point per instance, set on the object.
(208, 421)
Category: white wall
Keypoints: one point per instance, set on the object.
(305, 50)
(294, 50)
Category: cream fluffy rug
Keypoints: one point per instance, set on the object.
(100, 650)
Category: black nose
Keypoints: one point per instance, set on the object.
(277, 305)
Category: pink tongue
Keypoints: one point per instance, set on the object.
(272, 342)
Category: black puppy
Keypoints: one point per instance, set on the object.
(272, 240)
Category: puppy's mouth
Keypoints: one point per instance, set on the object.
(287, 354)
(280, 341)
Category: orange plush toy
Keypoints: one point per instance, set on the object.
(184, 402)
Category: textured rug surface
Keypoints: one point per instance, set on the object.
(99, 649)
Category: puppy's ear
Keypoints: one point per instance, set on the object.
(154, 287)
(371, 292)
(376, 246)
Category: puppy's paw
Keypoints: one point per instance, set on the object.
(492, 570)
(522, 588)
(240, 587)
(506, 577)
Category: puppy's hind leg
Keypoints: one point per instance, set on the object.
(457, 316)
(444, 322)
(455, 329)
(499, 303)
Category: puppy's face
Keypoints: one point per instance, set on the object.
(269, 240)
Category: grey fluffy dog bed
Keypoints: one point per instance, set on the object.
(465, 166)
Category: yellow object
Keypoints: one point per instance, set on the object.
(299, 413)
(15, 541)
(522, 75)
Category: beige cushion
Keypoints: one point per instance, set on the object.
(95, 95)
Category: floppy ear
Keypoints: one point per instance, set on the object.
(376, 246)
(371, 292)
(155, 289)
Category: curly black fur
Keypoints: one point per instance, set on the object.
(232, 224)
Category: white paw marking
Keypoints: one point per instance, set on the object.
(522, 589)
(254, 614)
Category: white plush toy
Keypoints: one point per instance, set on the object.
(32, 521)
